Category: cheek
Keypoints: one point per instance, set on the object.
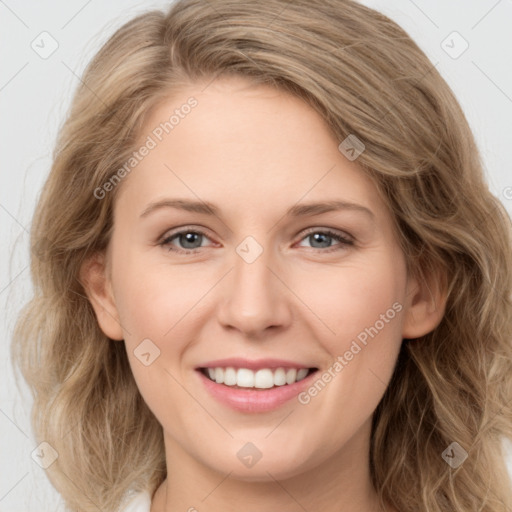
(152, 297)
(155, 304)
(352, 301)
(158, 300)
(363, 305)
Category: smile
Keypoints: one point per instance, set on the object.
(264, 378)
(265, 386)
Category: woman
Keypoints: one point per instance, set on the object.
(202, 349)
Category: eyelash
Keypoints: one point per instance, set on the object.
(166, 242)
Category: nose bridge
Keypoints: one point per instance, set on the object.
(256, 299)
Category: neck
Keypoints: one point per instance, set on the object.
(340, 483)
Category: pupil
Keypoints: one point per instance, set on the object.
(189, 238)
(319, 236)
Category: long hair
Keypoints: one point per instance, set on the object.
(365, 77)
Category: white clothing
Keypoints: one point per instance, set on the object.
(141, 502)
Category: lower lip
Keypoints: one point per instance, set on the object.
(254, 400)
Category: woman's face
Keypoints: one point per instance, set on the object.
(264, 282)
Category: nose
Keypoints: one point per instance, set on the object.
(256, 297)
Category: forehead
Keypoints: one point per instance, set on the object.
(247, 144)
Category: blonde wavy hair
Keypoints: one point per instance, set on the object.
(364, 76)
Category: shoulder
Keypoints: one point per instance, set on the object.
(141, 502)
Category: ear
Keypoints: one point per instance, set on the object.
(97, 285)
(425, 304)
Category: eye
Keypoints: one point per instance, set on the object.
(324, 239)
(190, 239)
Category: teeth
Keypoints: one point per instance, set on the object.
(230, 378)
(264, 379)
(280, 377)
(302, 373)
(261, 379)
(244, 378)
(291, 376)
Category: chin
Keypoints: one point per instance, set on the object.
(263, 470)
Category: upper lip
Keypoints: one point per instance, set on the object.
(253, 364)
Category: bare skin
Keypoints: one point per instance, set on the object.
(255, 152)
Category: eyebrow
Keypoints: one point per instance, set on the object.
(298, 210)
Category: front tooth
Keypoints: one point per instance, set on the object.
(291, 375)
(245, 378)
(230, 376)
(301, 374)
(280, 377)
(219, 375)
(264, 379)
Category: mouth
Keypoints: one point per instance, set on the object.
(255, 390)
(264, 378)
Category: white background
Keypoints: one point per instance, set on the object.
(35, 94)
